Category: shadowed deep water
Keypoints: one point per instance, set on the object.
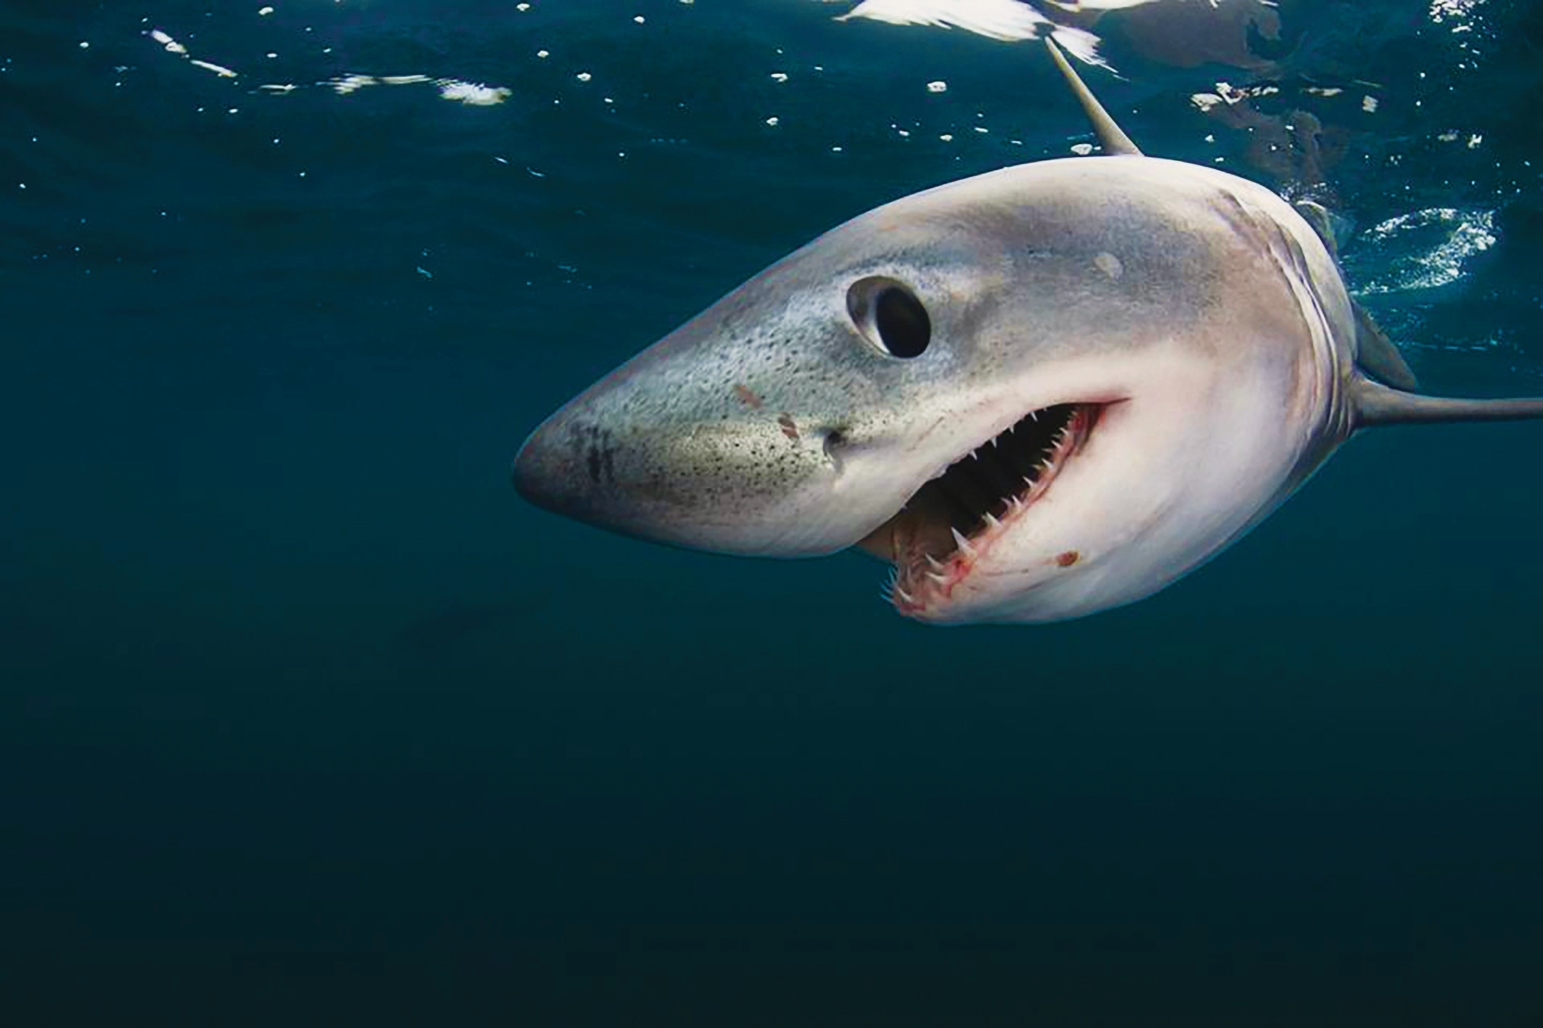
(306, 719)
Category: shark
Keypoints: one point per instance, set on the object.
(1038, 393)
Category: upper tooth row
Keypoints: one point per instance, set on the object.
(1055, 444)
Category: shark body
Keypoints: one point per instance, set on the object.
(1039, 393)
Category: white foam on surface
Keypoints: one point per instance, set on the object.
(1423, 250)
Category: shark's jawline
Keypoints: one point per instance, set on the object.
(954, 521)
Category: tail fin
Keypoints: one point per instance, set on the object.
(1377, 404)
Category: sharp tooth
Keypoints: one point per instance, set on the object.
(934, 563)
(991, 519)
(1034, 414)
(963, 543)
(940, 579)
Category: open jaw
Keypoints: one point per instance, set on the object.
(953, 521)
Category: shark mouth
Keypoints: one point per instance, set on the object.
(954, 520)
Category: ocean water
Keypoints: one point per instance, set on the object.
(305, 718)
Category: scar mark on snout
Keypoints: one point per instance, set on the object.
(747, 396)
(785, 422)
(935, 426)
(1109, 264)
(1068, 558)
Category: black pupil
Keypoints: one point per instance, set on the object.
(902, 323)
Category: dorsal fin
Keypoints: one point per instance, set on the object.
(1377, 404)
(1110, 136)
(1375, 352)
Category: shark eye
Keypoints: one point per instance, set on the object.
(889, 316)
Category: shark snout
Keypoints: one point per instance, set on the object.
(759, 484)
(537, 473)
(564, 467)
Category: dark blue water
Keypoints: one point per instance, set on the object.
(306, 719)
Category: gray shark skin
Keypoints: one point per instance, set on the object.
(1041, 392)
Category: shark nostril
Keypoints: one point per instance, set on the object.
(835, 440)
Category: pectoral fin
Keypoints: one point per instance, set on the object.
(1377, 404)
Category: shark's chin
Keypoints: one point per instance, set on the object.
(951, 525)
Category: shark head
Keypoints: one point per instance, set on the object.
(995, 385)
(1038, 393)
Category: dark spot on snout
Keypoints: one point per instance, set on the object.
(599, 453)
